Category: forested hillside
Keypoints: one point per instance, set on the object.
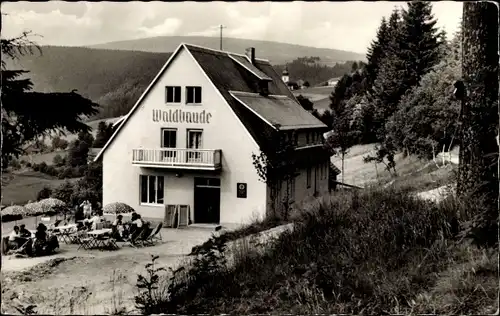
(113, 79)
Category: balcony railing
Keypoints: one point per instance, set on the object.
(178, 158)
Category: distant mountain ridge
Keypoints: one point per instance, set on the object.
(276, 53)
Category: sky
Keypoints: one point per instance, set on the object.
(347, 26)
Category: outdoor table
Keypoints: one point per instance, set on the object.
(96, 240)
(66, 233)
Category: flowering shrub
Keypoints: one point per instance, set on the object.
(117, 208)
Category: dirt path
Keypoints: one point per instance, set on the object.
(90, 282)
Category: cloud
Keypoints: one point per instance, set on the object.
(168, 27)
(342, 25)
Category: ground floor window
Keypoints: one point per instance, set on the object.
(151, 188)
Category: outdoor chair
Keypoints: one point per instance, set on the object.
(145, 233)
(154, 236)
(135, 240)
(56, 223)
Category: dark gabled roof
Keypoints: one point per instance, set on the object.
(242, 60)
(233, 72)
(279, 111)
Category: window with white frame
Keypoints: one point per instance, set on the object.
(151, 188)
(172, 94)
(193, 95)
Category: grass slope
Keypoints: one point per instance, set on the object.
(371, 252)
(21, 186)
(412, 173)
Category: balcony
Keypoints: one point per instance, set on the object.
(178, 158)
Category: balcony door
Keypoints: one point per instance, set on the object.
(168, 140)
(194, 141)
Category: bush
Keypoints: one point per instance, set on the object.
(65, 172)
(28, 164)
(14, 164)
(58, 160)
(42, 167)
(51, 171)
(357, 252)
(11, 218)
(64, 192)
(44, 193)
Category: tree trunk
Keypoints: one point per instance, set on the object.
(478, 149)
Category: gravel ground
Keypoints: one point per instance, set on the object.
(89, 282)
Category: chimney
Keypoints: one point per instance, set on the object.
(250, 52)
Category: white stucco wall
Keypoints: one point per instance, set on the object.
(225, 132)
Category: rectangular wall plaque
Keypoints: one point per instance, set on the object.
(241, 190)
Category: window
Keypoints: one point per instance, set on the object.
(151, 189)
(169, 140)
(307, 138)
(308, 177)
(313, 138)
(321, 170)
(194, 141)
(172, 94)
(193, 94)
(295, 139)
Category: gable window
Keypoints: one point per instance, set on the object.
(169, 140)
(193, 95)
(151, 189)
(172, 94)
(308, 178)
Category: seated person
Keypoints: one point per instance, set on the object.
(97, 218)
(135, 226)
(23, 232)
(43, 244)
(118, 228)
(14, 238)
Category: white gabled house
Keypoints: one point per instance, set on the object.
(190, 137)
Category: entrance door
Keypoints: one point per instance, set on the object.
(207, 200)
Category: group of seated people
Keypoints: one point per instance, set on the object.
(22, 241)
(128, 230)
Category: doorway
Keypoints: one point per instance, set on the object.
(206, 200)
